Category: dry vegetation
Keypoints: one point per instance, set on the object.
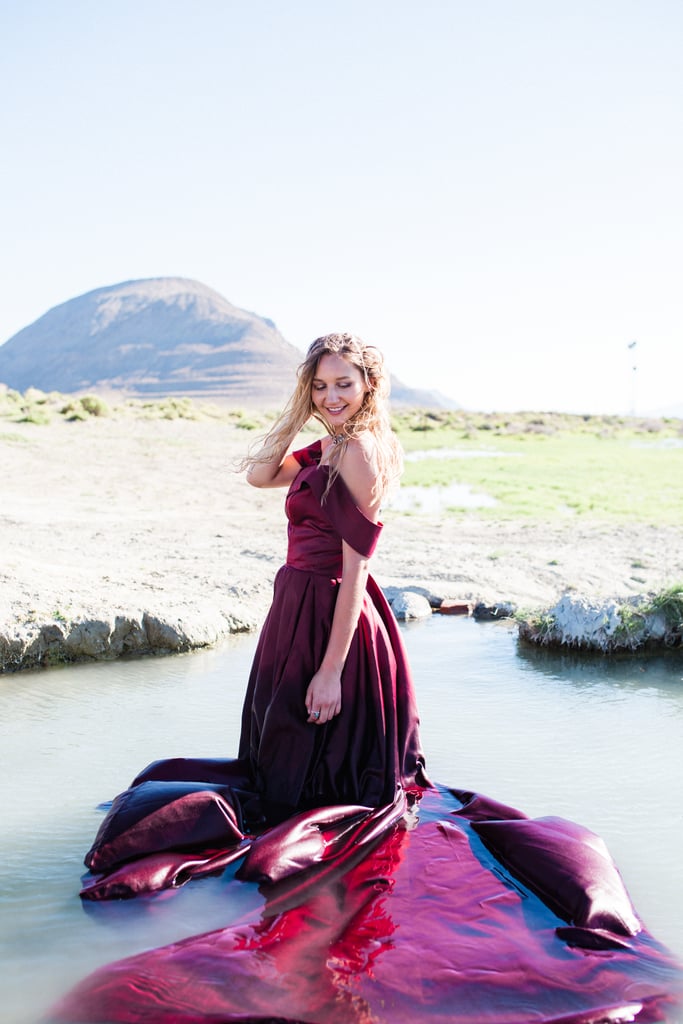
(417, 427)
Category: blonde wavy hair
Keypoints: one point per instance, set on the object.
(372, 417)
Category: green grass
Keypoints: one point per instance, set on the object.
(669, 604)
(622, 473)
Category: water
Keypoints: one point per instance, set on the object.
(439, 498)
(597, 741)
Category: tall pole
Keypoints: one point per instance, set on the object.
(634, 374)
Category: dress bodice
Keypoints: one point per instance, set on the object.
(318, 522)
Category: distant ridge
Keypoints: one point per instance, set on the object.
(159, 337)
(152, 338)
(419, 398)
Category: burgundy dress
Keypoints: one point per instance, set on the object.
(372, 748)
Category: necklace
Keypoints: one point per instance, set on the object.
(338, 438)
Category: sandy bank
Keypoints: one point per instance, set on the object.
(122, 535)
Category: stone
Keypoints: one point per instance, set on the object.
(87, 639)
(128, 637)
(582, 623)
(488, 612)
(454, 608)
(409, 606)
(163, 635)
(606, 626)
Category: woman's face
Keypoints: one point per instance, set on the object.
(338, 390)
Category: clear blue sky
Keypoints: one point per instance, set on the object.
(490, 190)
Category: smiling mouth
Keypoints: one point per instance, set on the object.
(335, 410)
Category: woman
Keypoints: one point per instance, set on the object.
(330, 714)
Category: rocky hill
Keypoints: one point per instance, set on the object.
(152, 338)
(159, 337)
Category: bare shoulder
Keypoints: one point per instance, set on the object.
(358, 469)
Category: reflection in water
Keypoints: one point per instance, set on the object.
(662, 671)
(593, 739)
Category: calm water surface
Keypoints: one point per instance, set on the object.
(591, 740)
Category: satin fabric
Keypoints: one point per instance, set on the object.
(402, 914)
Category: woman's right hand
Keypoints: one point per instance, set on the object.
(323, 696)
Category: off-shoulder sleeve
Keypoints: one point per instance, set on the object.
(308, 456)
(351, 524)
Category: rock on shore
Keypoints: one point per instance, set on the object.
(609, 626)
(114, 635)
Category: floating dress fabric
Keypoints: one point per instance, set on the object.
(368, 919)
(372, 748)
(385, 899)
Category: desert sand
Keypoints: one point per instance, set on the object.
(129, 535)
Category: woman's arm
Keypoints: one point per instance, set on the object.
(324, 691)
(279, 472)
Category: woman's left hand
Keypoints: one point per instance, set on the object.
(323, 696)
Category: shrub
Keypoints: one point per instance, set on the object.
(94, 405)
(73, 411)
